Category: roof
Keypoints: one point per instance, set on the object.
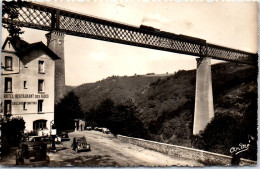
(17, 43)
(22, 47)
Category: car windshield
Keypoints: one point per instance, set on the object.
(81, 139)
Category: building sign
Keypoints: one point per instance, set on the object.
(23, 96)
(21, 103)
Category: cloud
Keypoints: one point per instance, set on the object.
(155, 20)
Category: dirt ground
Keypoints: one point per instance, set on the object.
(106, 151)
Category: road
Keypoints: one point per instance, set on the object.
(106, 150)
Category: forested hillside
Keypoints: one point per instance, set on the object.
(165, 105)
(115, 87)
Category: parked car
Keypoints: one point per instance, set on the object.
(64, 136)
(32, 153)
(80, 144)
(96, 128)
(105, 130)
(44, 139)
(88, 128)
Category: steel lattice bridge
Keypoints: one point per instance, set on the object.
(48, 18)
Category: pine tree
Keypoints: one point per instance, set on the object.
(11, 10)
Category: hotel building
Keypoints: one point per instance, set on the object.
(27, 76)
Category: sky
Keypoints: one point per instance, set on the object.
(229, 24)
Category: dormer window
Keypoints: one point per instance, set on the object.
(8, 63)
(41, 66)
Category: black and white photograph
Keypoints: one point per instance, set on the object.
(129, 83)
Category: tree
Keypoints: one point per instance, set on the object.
(120, 118)
(123, 121)
(12, 130)
(104, 111)
(11, 9)
(66, 111)
(222, 133)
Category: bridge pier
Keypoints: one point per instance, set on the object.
(55, 41)
(204, 109)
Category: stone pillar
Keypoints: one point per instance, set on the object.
(204, 109)
(55, 41)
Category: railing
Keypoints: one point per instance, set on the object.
(48, 18)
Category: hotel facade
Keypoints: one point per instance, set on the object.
(28, 80)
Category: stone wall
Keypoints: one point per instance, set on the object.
(184, 152)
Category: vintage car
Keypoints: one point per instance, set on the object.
(45, 139)
(32, 154)
(88, 128)
(80, 144)
(105, 130)
(64, 136)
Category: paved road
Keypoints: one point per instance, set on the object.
(106, 150)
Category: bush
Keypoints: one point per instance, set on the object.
(222, 133)
(12, 130)
(4, 145)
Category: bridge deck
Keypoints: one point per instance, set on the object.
(48, 18)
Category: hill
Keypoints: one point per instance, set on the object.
(165, 104)
(115, 87)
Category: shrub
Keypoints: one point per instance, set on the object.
(12, 130)
(4, 145)
(222, 133)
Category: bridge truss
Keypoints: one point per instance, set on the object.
(38, 16)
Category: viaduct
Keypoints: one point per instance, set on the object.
(60, 22)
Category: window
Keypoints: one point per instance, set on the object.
(40, 85)
(8, 107)
(41, 66)
(25, 84)
(8, 63)
(39, 124)
(8, 84)
(40, 102)
(24, 106)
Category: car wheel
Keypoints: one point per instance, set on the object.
(47, 158)
(19, 161)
